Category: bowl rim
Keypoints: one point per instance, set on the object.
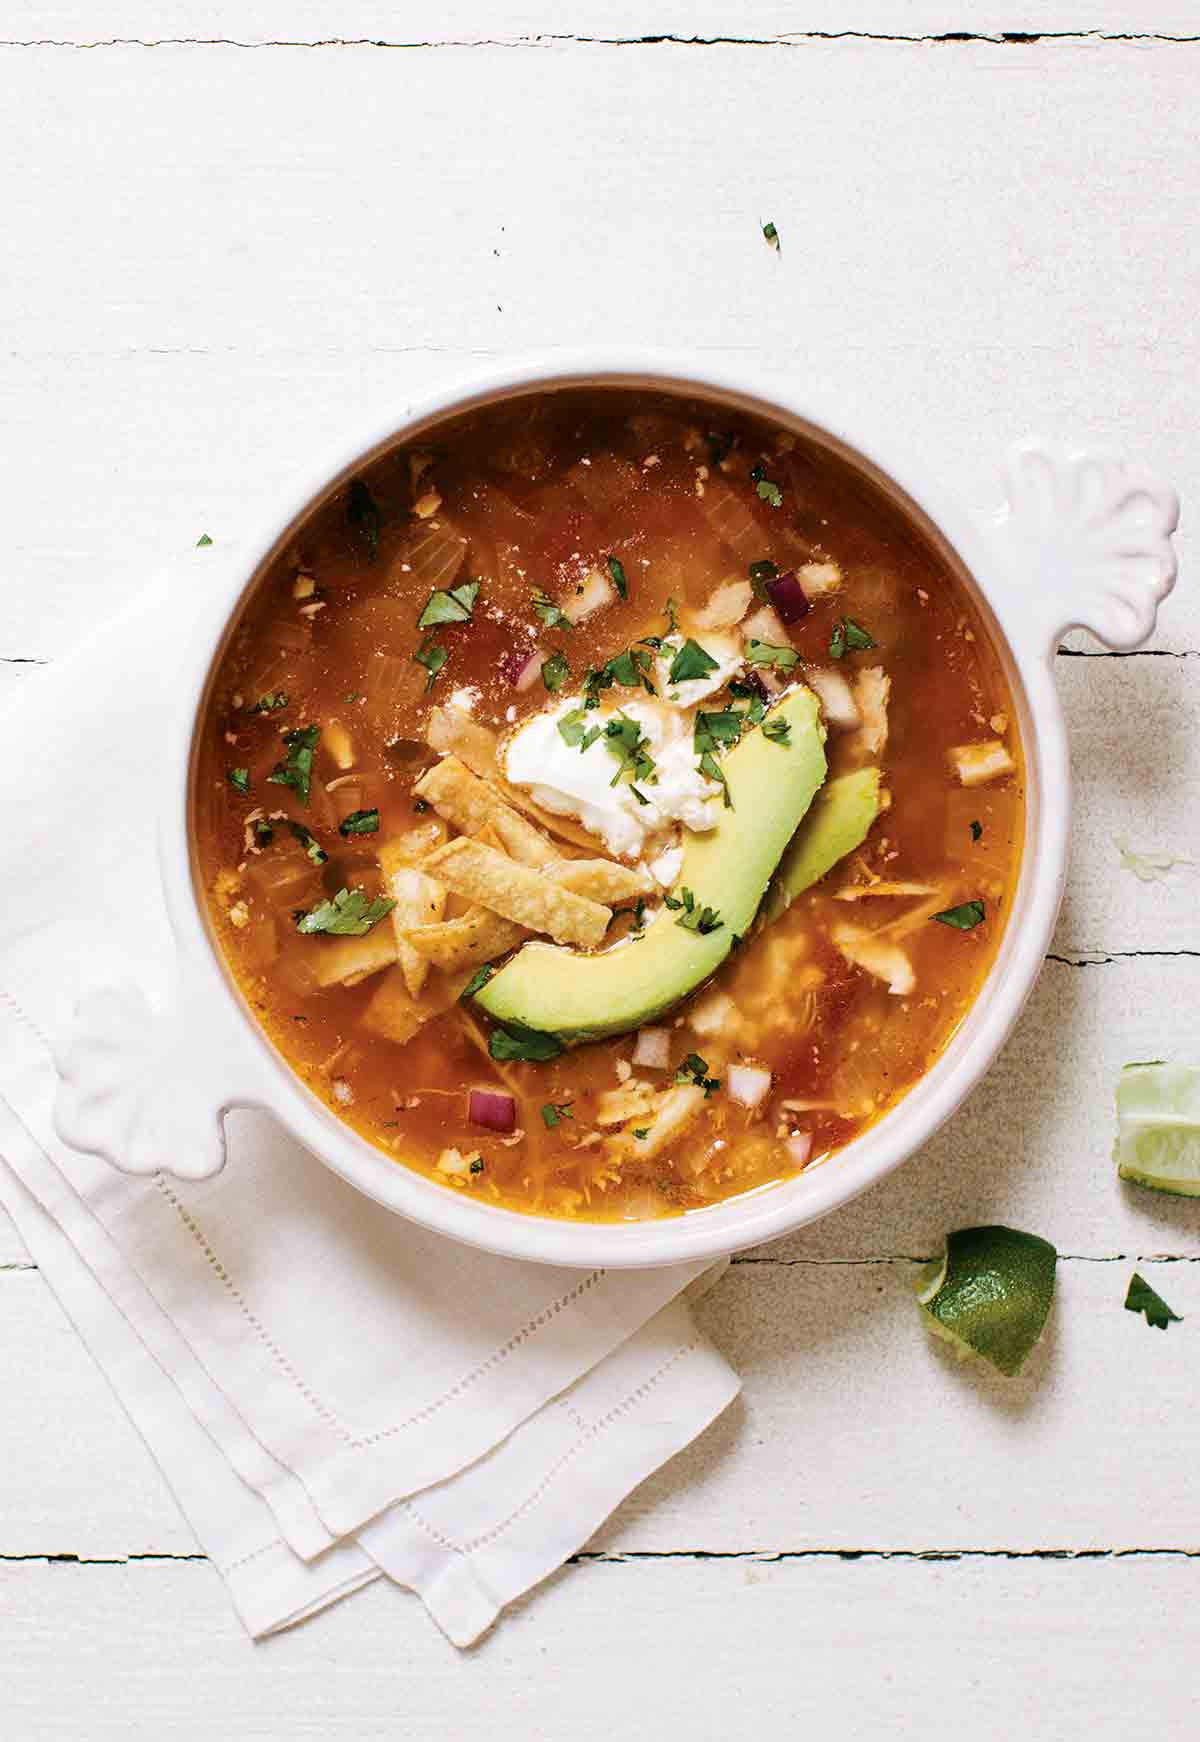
(263, 1078)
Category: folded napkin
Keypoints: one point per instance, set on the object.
(331, 1392)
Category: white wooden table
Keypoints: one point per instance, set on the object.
(232, 227)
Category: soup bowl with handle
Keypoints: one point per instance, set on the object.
(1083, 539)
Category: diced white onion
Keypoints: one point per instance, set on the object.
(653, 1048)
(748, 1085)
(800, 1147)
(836, 698)
(713, 1015)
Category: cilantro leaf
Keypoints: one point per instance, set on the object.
(309, 842)
(692, 916)
(202, 541)
(1141, 1298)
(477, 982)
(771, 236)
(555, 670)
(518, 1042)
(573, 731)
(454, 606)
(270, 703)
(768, 490)
(760, 573)
(694, 1069)
(433, 657)
(628, 669)
(752, 691)
(616, 570)
(239, 779)
(360, 822)
(777, 731)
(625, 741)
(976, 830)
(363, 514)
(554, 1113)
(350, 914)
(963, 918)
(672, 612)
(717, 728)
(691, 662)
(642, 1132)
(264, 834)
(477, 1164)
(549, 612)
(848, 636)
(295, 770)
(770, 653)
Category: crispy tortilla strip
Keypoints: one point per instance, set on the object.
(396, 1015)
(467, 942)
(600, 880)
(489, 836)
(471, 804)
(410, 847)
(334, 961)
(518, 893)
(420, 900)
(452, 731)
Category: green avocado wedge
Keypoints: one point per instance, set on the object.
(580, 997)
(840, 820)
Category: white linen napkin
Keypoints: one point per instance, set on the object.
(331, 1392)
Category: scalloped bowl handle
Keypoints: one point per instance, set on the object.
(147, 1089)
(1086, 540)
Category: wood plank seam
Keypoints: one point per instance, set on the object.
(791, 39)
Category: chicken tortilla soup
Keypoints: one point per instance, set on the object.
(609, 804)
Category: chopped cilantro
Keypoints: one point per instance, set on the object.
(353, 696)
(239, 779)
(572, 731)
(770, 653)
(641, 1132)
(710, 768)
(639, 917)
(523, 1043)
(363, 514)
(270, 703)
(976, 830)
(477, 982)
(360, 822)
(351, 914)
(555, 670)
(672, 612)
(628, 669)
(771, 235)
(777, 731)
(768, 490)
(962, 918)
(760, 573)
(295, 770)
(454, 606)
(1141, 1298)
(625, 741)
(691, 662)
(309, 842)
(554, 1113)
(751, 692)
(202, 541)
(433, 657)
(692, 916)
(617, 571)
(264, 834)
(694, 1069)
(549, 612)
(720, 728)
(477, 1165)
(848, 636)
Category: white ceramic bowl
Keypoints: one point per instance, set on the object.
(1084, 541)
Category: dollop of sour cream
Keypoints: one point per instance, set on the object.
(579, 783)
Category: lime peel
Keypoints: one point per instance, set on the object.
(991, 1293)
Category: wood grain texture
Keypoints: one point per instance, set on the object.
(849, 1649)
(218, 258)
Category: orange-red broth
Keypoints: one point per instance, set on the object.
(668, 490)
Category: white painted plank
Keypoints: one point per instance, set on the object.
(275, 21)
(268, 258)
(992, 1649)
(855, 1429)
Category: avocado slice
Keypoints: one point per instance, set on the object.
(580, 997)
(840, 820)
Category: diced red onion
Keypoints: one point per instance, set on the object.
(752, 680)
(790, 600)
(520, 666)
(494, 1109)
(800, 1147)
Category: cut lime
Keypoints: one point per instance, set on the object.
(990, 1295)
(1158, 1127)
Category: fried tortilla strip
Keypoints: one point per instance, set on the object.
(396, 1015)
(468, 941)
(452, 731)
(600, 880)
(411, 846)
(420, 900)
(344, 961)
(519, 893)
(470, 804)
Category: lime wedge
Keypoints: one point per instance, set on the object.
(1158, 1127)
(990, 1295)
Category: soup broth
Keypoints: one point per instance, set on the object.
(513, 691)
